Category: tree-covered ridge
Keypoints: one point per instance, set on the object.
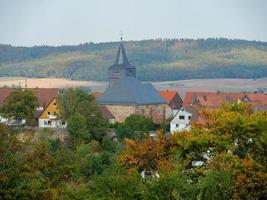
(160, 59)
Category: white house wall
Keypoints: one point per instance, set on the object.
(43, 123)
(178, 124)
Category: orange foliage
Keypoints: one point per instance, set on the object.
(148, 154)
(251, 182)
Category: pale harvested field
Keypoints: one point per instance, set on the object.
(227, 85)
(47, 82)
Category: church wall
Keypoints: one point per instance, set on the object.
(121, 112)
(157, 113)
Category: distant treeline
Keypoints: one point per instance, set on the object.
(159, 59)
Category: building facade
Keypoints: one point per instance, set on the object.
(181, 121)
(46, 114)
(49, 117)
(126, 95)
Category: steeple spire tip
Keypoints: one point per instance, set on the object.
(121, 35)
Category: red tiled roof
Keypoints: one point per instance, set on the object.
(216, 99)
(96, 94)
(168, 95)
(44, 95)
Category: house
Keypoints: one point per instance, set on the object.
(216, 99)
(48, 118)
(172, 98)
(181, 121)
(194, 101)
(126, 95)
(46, 111)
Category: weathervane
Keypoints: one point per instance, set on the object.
(121, 34)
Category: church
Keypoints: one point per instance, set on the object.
(126, 95)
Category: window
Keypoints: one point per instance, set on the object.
(177, 125)
(131, 71)
(189, 117)
(117, 73)
(63, 123)
(49, 122)
(181, 117)
(40, 108)
(45, 122)
(48, 113)
(55, 104)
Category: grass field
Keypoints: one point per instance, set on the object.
(182, 86)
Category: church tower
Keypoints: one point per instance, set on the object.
(121, 68)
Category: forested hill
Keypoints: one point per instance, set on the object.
(168, 59)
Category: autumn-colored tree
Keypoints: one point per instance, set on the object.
(230, 136)
(251, 181)
(148, 154)
(210, 155)
(233, 129)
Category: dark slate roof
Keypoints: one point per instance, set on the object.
(130, 91)
(121, 59)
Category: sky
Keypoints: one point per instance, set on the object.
(70, 22)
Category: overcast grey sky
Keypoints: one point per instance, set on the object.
(59, 22)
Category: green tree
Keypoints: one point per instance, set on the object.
(20, 104)
(69, 101)
(10, 156)
(72, 101)
(77, 127)
(117, 183)
(140, 123)
(91, 159)
(134, 127)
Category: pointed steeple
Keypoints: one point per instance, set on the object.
(121, 68)
(121, 59)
